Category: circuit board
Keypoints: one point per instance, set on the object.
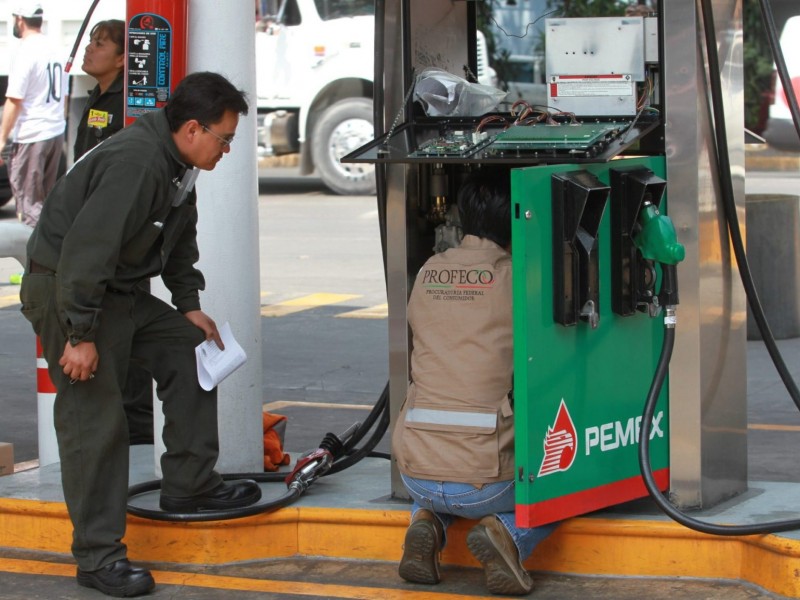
(583, 138)
(455, 143)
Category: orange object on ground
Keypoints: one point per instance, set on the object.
(274, 428)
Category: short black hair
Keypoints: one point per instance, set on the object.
(484, 205)
(113, 29)
(33, 22)
(205, 97)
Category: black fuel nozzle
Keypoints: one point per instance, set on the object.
(668, 295)
(316, 463)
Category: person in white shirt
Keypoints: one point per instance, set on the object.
(33, 115)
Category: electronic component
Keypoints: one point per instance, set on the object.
(455, 143)
(586, 139)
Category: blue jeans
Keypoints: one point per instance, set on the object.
(447, 499)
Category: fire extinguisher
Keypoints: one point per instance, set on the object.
(155, 46)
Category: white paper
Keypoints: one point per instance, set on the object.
(213, 364)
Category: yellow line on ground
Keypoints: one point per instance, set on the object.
(278, 404)
(35, 567)
(768, 427)
(304, 303)
(9, 300)
(381, 311)
(223, 582)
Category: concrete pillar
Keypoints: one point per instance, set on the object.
(223, 40)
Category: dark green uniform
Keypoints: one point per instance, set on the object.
(103, 116)
(106, 226)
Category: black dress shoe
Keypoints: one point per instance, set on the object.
(227, 495)
(120, 579)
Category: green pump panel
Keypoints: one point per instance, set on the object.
(583, 365)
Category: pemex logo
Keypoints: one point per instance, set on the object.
(560, 443)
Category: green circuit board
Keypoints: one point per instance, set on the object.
(565, 136)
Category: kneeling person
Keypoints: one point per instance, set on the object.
(454, 437)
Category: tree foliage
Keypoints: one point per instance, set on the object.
(589, 8)
(757, 66)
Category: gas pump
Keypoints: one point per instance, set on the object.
(588, 179)
(594, 254)
(155, 46)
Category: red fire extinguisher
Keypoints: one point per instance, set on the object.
(155, 47)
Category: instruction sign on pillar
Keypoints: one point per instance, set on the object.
(156, 54)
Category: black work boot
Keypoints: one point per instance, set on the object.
(492, 544)
(420, 562)
(227, 495)
(120, 579)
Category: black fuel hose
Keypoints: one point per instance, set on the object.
(729, 206)
(644, 454)
(729, 202)
(292, 494)
(81, 31)
(353, 456)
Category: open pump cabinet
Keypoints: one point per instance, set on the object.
(607, 145)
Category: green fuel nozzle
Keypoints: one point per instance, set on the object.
(658, 242)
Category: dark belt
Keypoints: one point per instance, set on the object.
(35, 267)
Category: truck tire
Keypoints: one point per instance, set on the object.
(342, 128)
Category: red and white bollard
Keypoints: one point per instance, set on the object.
(46, 397)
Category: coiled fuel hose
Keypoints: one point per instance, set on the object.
(335, 453)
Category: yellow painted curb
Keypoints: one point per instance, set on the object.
(588, 546)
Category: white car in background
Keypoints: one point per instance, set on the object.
(780, 131)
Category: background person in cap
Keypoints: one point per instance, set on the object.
(33, 116)
(120, 216)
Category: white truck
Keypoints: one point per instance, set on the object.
(314, 86)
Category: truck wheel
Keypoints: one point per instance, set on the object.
(341, 129)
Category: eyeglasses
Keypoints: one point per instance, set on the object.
(224, 142)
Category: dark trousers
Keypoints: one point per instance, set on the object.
(137, 398)
(90, 421)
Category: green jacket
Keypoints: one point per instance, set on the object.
(109, 223)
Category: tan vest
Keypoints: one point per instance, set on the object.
(457, 423)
